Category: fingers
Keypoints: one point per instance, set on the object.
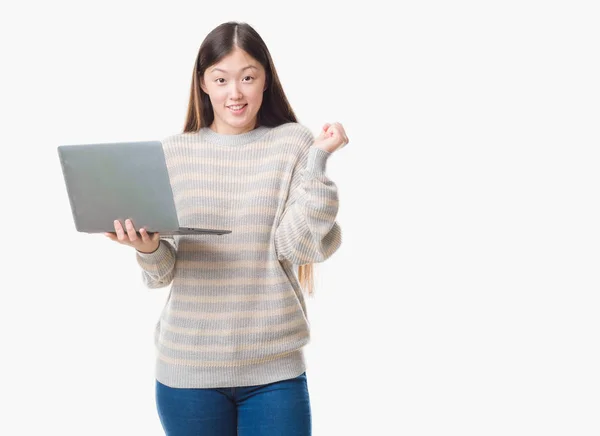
(131, 233)
(324, 132)
(120, 233)
(125, 235)
(345, 138)
(336, 129)
(144, 235)
(128, 235)
(148, 238)
(342, 134)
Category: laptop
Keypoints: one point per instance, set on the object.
(122, 180)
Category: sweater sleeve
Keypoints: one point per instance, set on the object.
(308, 231)
(158, 267)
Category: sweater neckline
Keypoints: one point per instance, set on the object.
(233, 140)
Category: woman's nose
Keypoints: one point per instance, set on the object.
(236, 92)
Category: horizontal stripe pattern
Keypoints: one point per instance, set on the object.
(230, 348)
(235, 314)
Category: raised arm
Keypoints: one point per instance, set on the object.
(308, 231)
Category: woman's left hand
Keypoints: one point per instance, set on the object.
(331, 138)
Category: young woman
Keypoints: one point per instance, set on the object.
(230, 338)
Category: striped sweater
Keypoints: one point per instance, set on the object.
(235, 314)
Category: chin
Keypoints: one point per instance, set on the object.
(243, 122)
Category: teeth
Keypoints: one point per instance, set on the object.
(235, 108)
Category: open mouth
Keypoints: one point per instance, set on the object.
(238, 108)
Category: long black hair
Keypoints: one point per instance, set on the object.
(275, 109)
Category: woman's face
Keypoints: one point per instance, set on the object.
(235, 86)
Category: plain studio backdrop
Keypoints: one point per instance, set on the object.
(464, 299)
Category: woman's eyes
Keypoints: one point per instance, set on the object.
(223, 80)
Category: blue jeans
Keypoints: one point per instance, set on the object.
(280, 408)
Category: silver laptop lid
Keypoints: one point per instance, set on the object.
(117, 181)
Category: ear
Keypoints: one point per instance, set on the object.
(202, 85)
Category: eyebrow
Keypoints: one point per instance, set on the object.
(223, 71)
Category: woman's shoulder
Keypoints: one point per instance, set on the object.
(292, 128)
(170, 139)
(294, 133)
(176, 140)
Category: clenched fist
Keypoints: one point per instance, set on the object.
(331, 138)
